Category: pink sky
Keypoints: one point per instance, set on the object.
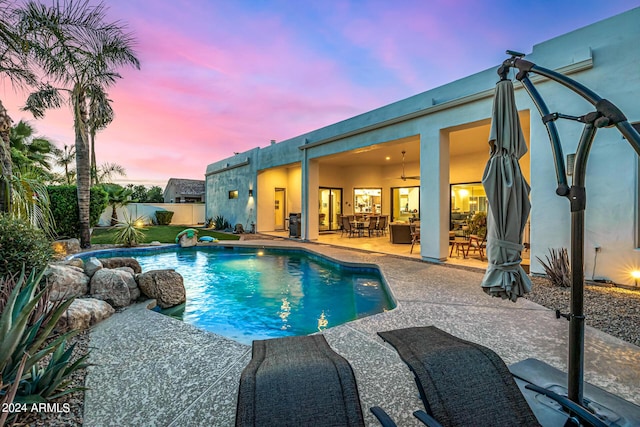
(222, 76)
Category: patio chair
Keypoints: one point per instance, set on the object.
(466, 384)
(299, 381)
(382, 225)
(477, 244)
(346, 227)
(373, 225)
(415, 234)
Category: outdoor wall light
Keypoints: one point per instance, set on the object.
(636, 275)
(250, 192)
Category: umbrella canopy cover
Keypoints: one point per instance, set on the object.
(508, 199)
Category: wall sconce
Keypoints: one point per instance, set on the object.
(250, 192)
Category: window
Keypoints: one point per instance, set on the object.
(233, 194)
(466, 200)
(405, 203)
(367, 200)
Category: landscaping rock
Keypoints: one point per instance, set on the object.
(76, 262)
(127, 269)
(113, 286)
(92, 265)
(66, 281)
(121, 262)
(166, 286)
(186, 242)
(66, 247)
(83, 313)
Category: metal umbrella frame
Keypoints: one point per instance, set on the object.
(606, 114)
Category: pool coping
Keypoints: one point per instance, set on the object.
(177, 374)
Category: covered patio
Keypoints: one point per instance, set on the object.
(383, 245)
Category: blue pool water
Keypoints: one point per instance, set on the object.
(246, 294)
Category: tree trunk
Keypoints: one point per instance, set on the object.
(94, 167)
(114, 215)
(6, 168)
(83, 167)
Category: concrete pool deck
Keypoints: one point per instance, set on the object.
(149, 369)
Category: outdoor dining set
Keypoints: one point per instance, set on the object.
(465, 244)
(358, 225)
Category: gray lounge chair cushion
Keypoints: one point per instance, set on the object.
(297, 381)
(461, 383)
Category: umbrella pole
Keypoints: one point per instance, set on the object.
(578, 199)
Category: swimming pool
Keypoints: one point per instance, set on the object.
(246, 293)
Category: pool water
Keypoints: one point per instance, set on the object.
(246, 294)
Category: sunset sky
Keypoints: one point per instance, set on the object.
(219, 76)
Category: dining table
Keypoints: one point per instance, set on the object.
(459, 244)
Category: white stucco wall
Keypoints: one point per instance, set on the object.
(603, 56)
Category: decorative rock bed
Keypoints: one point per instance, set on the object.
(101, 286)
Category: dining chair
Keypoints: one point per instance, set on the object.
(373, 225)
(415, 234)
(477, 243)
(346, 226)
(382, 225)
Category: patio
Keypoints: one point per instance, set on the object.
(382, 244)
(153, 370)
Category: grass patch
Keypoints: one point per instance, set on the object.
(160, 233)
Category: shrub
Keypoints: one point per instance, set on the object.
(128, 233)
(64, 207)
(164, 217)
(478, 224)
(557, 267)
(220, 223)
(22, 245)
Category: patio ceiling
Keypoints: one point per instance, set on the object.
(465, 141)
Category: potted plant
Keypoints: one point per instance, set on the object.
(478, 224)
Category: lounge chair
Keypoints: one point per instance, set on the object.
(466, 384)
(297, 381)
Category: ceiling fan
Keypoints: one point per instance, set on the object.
(404, 177)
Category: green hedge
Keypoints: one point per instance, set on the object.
(164, 217)
(64, 207)
(21, 244)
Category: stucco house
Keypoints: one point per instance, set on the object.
(184, 191)
(426, 154)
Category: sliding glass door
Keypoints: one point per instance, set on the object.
(330, 209)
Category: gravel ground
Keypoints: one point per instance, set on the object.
(615, 311)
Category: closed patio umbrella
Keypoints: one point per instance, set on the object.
(508, 199)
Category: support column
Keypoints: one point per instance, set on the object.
(310, 183)
(434, 196)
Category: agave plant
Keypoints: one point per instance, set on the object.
(129, 233)
(220, 223)
(50, 382)
(27, 323)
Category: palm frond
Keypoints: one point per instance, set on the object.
(31, 200)
(40, 101)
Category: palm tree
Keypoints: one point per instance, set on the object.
(31, 151)
(118, 196)
(107, 171)
(13, 65)
(100, 115)
(79, 52)
(64, 158)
